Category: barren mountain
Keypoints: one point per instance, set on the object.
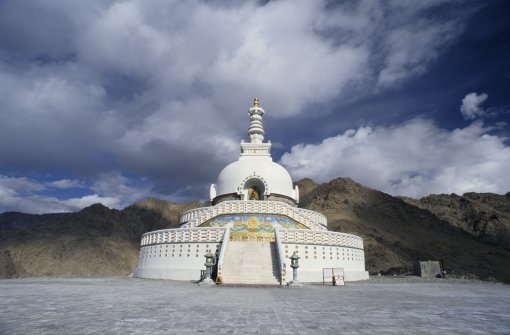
(469, 232)
(483, 215)
(397, 233)
(18, 221)
(95, 241)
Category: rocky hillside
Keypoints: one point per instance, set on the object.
(469, 232)
(12, 221)
(396, 233)
(306, 186)
(94, 241)
(483, 215)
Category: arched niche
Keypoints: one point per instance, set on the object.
(254, 189)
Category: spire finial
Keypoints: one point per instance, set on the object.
(256, 130)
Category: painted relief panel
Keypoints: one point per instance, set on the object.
(255, 227)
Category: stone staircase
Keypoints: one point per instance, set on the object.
(251, 263)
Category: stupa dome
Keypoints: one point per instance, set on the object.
(270, 177)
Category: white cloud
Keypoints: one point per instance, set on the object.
(24, 195)
(75, 204)
(414, 159)
(66, 183)
(114, 185)
(471, 108)
(411, 47)
(159, 89)
(22, 185)
(291, 53)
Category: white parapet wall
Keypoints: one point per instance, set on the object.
(177, 253)
(316, 216)
(320, 250)
(312, 220)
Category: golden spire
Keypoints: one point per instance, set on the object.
(256, 102)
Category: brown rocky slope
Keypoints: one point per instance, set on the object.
(397, 233)
(95, 241)
(484, 215)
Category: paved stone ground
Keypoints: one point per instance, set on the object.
(137, 306)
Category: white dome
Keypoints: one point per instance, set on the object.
(275, 178)
(254, 176)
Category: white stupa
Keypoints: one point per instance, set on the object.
(253, 227)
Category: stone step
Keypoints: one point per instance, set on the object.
(271, 272)
(243, 267)
(254, 278)
(253, 282)
(260, 266)
(251, 263)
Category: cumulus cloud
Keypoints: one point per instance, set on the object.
(25, 195)
(22, 185)
(157, 90)
(415, 159)
(471, 105)
(75, 204)
(66, 183)
(125, 190)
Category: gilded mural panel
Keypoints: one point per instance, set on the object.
(253, 227)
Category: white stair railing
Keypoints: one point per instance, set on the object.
(221, 257)
(281, 256)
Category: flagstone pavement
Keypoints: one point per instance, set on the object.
(123, 305)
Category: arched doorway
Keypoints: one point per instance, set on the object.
(254, 189)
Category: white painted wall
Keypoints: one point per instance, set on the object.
(313, 258)
(177, 261)
(183, 261)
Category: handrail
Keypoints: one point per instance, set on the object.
(221, 257)
(281, 256)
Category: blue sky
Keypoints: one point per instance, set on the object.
(117, 101)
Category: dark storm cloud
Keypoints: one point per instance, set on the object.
(149, 98)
